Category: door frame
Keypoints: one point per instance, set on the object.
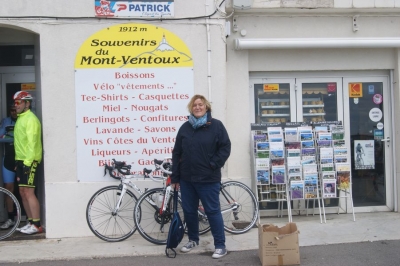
(388, 133)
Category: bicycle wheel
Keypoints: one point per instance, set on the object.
(4, 233)
(239, 207)
(204, 225)
(151, 224)
(102, 219)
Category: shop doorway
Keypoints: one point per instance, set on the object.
(12, 80)
(365, 116)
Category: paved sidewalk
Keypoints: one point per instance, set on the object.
(338, 229)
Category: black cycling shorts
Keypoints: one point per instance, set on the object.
(26, 180)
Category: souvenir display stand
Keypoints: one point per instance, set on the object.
(301, 164)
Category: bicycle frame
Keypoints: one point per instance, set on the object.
(234, 205)
(126, 182)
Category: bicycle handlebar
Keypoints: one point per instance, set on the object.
(121, 167)
(164, 166)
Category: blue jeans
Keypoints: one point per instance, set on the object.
(208, 193)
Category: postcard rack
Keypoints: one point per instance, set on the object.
(301, 163)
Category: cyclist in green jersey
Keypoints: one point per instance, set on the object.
(28, 154)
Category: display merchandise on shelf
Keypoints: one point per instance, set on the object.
(313, 109)
(275, 109)
(301, 162)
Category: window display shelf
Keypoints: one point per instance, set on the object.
(313, 114)
(275, 107)
(275, 115)
(313, 105)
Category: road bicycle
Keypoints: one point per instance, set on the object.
(4, 233)
(109, 212)
(153, 211)
(113, 217)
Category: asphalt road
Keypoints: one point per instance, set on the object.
(353, 254)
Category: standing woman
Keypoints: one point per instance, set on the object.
(201, 149)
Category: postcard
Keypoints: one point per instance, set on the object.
(294, 170)
(306, 136)
(337, 135)
(278, 175)
(341, 159)
(321, 129)
(310, 169)
(310, 179)
(306, 129)
(295, 177)
(279, 145)
(339, 143)
(311, 191)
(326, 151)
(324, 136)
(296, 190)
(276, 139)
(263, 176)
(277, 154)
(293, 152)
(329, 188)
(308, 160)
(343, 178)
(262, 146)
(308, 152)
(328, 175)
(327, 167)
(293, 145)
(274, 131)
(324, 143)
(340, 151)
(307, 144)
(278, 161)
(262, 154)
(291, 134)
(262, 164)
(293, 161)
(326, 160)
(342, 167)
(260, 138)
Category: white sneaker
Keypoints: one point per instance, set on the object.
(219, 253)
(188, 246)
(24, 227)
(7, 224)
(32, 229)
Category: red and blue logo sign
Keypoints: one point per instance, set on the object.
(151, 8)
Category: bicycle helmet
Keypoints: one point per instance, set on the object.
(22, 95)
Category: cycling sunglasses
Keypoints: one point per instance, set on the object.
(18, 102)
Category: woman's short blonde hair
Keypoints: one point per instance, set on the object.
(202, 98)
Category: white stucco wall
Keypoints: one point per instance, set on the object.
(60, 39)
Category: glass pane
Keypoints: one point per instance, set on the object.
(367, 149)
(272, 102)
(319, 102)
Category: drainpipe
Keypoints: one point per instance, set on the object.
(208, 55)
(209, 61)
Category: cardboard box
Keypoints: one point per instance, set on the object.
(278, 246)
